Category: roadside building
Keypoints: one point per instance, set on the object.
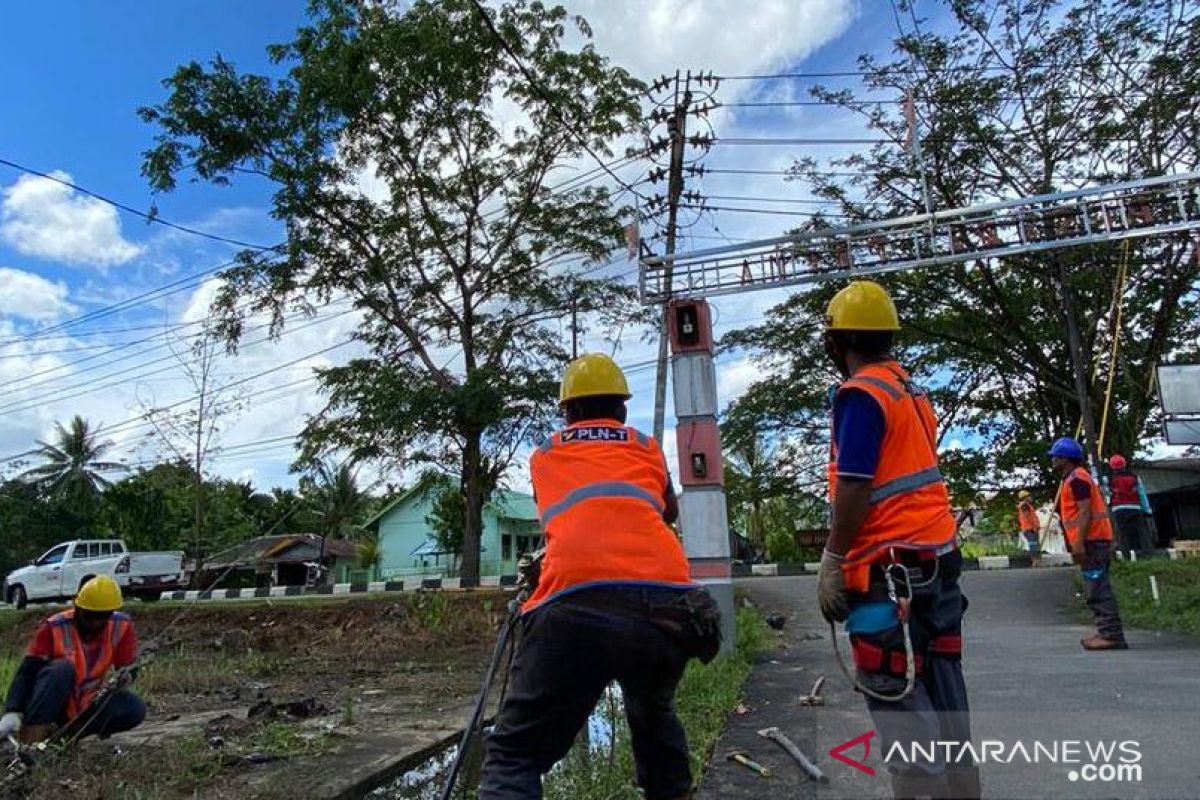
(280, 560)
(408, 547)
(1173, 487)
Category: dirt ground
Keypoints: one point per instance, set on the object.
(286, 699)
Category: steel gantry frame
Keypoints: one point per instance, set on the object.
(1028, 225)
(1093, 215)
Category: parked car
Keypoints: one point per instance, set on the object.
(61, 570)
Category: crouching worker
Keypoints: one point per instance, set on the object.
(614, 600)
(66, 666)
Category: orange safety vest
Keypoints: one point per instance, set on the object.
(1100, 528)
(89, 677)
(599, 488)
(1027, 516)
(910, 506)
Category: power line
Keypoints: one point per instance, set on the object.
(797, 201)
(151, 217)
(178, 285)
(76, 375)
(25, 404)
(769, 211)
(859, 73)
(550, 104)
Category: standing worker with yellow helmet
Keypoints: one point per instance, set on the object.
(614, 600)
(66, 665)
(891, 564)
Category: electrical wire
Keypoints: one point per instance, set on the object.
(550, 104)
(150, 218)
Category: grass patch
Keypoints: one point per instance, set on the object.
(194, 764)
(8, 668)
(992, 546)
(706, 696)
(1178, 588)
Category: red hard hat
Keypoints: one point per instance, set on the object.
(1116, 461)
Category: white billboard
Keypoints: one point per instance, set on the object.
(1179, 388)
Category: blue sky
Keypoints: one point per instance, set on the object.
(76, 73)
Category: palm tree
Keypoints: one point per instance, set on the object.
(73, 467)
(333, 494)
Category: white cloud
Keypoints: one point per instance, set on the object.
(43, 218)
(29, 296)
(726, 36)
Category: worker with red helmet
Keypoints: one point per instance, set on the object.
(1089, 534)
(1130, 507)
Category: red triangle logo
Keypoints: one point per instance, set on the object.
(839, 752)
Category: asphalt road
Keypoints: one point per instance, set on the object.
(1030, 684)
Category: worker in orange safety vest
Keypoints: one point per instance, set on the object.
(614, 600)
(1088, 531)
(891, 564)
(66, 666)
(1029, 524)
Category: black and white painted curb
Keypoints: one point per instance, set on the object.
(981, 563)
(374, 587)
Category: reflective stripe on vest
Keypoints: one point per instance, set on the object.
(600, 488)
(906, 483)
(606, 489)
(909, 502)
(1099, 528)
(89, 677)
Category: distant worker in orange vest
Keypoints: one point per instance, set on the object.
(614, 599)
(1089, 535)
(66, 666)
(1030, 524)
(891, 564)
(1130, 507)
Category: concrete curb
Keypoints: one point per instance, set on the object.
(341, 589)
(981, 563)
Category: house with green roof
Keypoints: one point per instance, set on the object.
(408, 547)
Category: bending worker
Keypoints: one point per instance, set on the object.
(891, 563)
(612, 586)
(65, 668)
(1089, 536)
(1029, 523)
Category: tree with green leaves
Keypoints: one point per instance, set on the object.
(73, 468)
(1021, 97)
(412, 154)
(332, 494)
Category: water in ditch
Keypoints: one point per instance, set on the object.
(425, 781)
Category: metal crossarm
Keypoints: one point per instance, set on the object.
(1134, 209)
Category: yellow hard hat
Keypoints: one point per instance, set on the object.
(1023, 495)
(592, 375)
(862, 306)
(101, 593)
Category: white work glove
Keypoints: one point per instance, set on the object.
(831, 588)
(10, 724)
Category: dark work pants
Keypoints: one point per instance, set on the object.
(1131, 528)
(48, 703)
(570, 649)
(937, 709)
(1098, 591)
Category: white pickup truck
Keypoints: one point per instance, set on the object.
(61, 570)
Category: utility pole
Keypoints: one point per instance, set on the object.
(1079, 369)
(574, 326)
(676, 131)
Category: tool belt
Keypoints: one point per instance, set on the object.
(693, 620)
(690, 616)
